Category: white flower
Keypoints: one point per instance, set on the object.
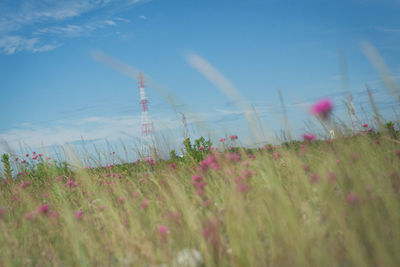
(188, 258)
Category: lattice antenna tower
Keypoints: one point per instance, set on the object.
(147, 128)
(353, 116)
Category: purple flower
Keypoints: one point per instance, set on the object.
(322, 108)
(308, 137)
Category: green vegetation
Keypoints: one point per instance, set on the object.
(311, 203)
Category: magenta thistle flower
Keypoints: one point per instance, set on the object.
(322, 108)
(196, 178)
(222, 139)
(353, 198)
(163, 230)
(377, 142)
(44, 209)
(173, 165)
(365, 125)
(144, 204)
(53, 214)
(78, 214)
(242, 187)
(24, 161)
(306, 168)
(314, 178)
(25, 184)
(308, 137)
(35, 157)
(233, 137)
(28, 216)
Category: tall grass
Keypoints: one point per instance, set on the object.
(332, 203)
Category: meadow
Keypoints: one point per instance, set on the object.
(333, 202)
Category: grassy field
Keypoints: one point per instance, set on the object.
(311, 203)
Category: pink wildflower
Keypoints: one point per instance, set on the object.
(101, 208)
(26, 155)
(35, 157)
(200, 191)
(144, 204)
(29, 216)
(308, 137)
(365, 125)
(306, 168)
(233, 157)
(233, 137)
(44, 209)
(53, 214)
(222, 140)
(107, 175)
(163, 230)
(78, 214)
(242, 187)
(314, 178)
(196, 178)
(276, 155)
(173, 165)
(322, 108)
(377, 142)
(398, 152)
(24, 161)
(353, 198)
(71, 183)
(25, 184)
(201, 148)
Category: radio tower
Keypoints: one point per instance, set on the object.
(147, 125)
(353, 116)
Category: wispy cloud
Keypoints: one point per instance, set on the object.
(13, 44)
(38, 26)
(75, 30)
(387, 30)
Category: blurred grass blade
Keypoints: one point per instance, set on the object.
(227, 88)
(382, 68)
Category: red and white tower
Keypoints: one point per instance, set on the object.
(147, 125)
(353, 116)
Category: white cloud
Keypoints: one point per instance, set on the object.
(142, 17)
(89, 128)
(13, 44)
(389, 30)
(110, 22)
(23, 26)
(75, 30)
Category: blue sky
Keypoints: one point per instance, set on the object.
(54, 92)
